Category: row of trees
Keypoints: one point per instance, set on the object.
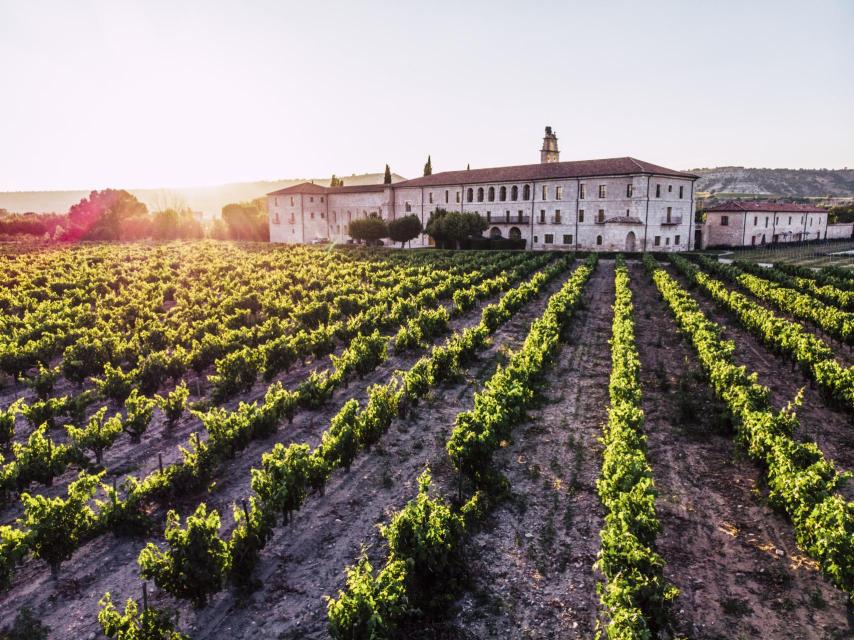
(116, 214)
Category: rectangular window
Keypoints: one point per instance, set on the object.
(681, 191)
(601, 217)
(292, 201)
(311, 199)
(676, 240)
(658, 191)
(545, 192)
(557, 216)
(549, 238)
(408, 206)
(670, 188)
(536, 239)
(581, 215)
(276, 218)
(489, 216)
(790, 219)
(542, 216)
(755, 220)
(312, 215)
(582, 191)
(431, 197)
(766, 222)
(458, 197)
(630, 189)
(669, 213)
(567, 238)
(322, 216)
(446, 196)
(657, 241)
(667, 241)
(558, 193)
(724, 221)
(321, 198)
(519, 215)
(602, 191)
(276, 201)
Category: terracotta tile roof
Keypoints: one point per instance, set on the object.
(302, 187)
(765, 206)
(623, 220)
(357, 188)
(546, 171)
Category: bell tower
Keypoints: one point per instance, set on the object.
(549, 152)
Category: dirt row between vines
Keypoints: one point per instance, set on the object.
(304, 560)
(531, 564)
(831, 429)
(733, 558)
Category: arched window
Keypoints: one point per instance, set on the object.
(470, 195)
(480, 194)
(502, 194)
(514, 193)
(526, 192)
(491, 194)
(598, 240)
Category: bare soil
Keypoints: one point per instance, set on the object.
(531, 564)
(733, 558)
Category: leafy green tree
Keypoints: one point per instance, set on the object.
(449, 228)
(196, 562)
(428, 167)
(247, 220)
(103, 215)
(404, 229)
(336, 182)
(133, 624)
(387, 175)
(98, 435)
(370, 230)
(56, 525)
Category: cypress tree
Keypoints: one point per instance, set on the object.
(387, 176)
(428, 168)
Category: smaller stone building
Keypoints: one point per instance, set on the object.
(755, 223)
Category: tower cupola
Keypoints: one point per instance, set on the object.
(549, 152)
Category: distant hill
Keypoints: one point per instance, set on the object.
(208, 200)
(788, 183)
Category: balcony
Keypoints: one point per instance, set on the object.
(672, 222)
(514, 220)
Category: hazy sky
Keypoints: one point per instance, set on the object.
(172, 93)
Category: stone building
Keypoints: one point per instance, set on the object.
(755, 223)
(614, 204)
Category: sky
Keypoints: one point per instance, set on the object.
(112, 93)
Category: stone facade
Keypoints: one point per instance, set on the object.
(757, 223)
(618, 204)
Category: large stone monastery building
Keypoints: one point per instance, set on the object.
(615, 204)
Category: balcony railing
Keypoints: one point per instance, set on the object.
(674, 220)
(511, 220)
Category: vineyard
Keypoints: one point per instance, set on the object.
(219, 440)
